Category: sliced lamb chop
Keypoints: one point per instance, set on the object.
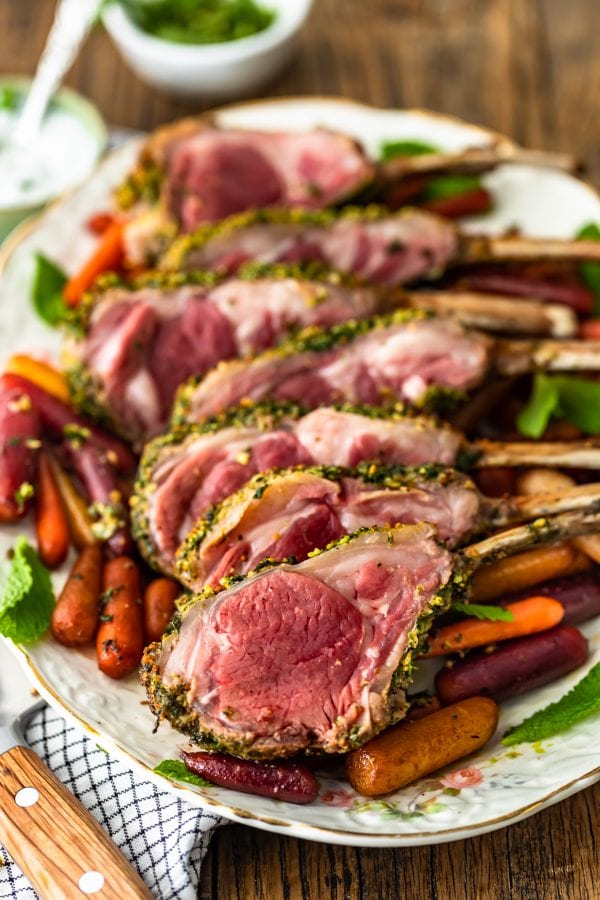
(289, 513)
(204, 173)
(184, 472)
(370, 243)
(407, 356)
(141, 343)
(193, 172)
(309, 657)
(137, 342)
(317, 656)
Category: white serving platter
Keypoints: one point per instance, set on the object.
(486, 792)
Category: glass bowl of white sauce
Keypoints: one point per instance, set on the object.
(72, 137)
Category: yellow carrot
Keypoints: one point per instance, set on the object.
(529, 616)
(80, 523)
(522, 571)
(40, 373)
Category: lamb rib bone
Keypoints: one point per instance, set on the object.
(518, 357)
(544, 530)
(494, 312)
(583, 454)
(473, 159)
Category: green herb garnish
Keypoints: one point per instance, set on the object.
(582, 701)
(590, 271)
(27, 598)
(199, 21)
(391, 149)
(442, 187)
(9, 98)
(175, 770)
(564, 396)
(48, 283)
(481, 611)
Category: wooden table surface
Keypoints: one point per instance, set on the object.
(531, 70)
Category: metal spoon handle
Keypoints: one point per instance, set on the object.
(72, 22)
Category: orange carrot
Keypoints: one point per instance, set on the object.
(120, 638)
(40, 373)
(76, 614)
(80, 523)
(529, 616)
(51, 525)
(159, 606)
(107, 257)
(521, 571)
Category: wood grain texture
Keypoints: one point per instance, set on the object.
(531, 70)
(55, 841)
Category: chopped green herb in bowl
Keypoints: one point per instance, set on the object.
(199, 21)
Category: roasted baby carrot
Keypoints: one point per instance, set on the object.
(514, 667)
(466, 204)
(51, 524)
(522, 571)
(75, 616)
(590, 330)
(410, 750)
(159, 606)
(99, 480)
(40, 373)
(107, 257)
(60, 419)
(120, 638)
(80, 523)
(19, 450)
(529, 616)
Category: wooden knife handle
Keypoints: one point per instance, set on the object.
(54, 840)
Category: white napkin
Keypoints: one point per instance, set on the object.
(164, 838)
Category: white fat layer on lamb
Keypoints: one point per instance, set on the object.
(330, 436)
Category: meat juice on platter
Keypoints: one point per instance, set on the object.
(247, 481)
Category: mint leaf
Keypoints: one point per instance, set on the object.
(590, 271)
(48, 283)
(444, 186)
(391, 149)
(579, 402)
(582, 701)
(543, 403)
(175, 770)
(480, 611)
(27, 599)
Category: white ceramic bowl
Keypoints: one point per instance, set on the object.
(78, 106)
(212, 71)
